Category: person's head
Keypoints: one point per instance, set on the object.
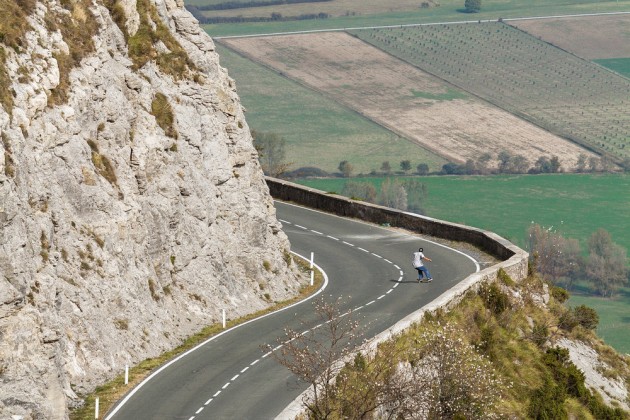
(419, 249)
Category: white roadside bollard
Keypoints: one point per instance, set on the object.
(312, 259)
(223, 318)
(126, 374)
(96, 408)
(312, 277)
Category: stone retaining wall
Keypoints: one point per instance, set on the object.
(513, 259)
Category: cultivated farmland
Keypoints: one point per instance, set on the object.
(576, 34)
(403, 98)
(528, 77)
(318, 131)
(332, 8)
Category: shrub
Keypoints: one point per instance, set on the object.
(559, 294)
(505, 278)
(493, 298)
(586, 317)
(546, 402)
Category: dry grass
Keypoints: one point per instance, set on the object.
(9, 164)
(163, 112)
(175, 63)
(403, 98)
(77, 29)
(6, 95)
(103, 165)
(13, 24)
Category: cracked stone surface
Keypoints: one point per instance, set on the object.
(98, 270)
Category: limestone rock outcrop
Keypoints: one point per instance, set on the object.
(133, 209)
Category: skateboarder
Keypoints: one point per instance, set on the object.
(418, 257)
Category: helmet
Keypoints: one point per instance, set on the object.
(420, 249)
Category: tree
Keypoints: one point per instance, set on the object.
(393, 194)
(422, 169)
(405, 166)
(386, 167)
(346, 168)
(271, 153)
(472, 6)
(360, 191)
(580, 165)
(556, 258)
(504, 158)
(607, 267)
(313, 356)
(482, 163)
(416, 195)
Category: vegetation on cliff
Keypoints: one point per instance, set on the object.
(506, 351)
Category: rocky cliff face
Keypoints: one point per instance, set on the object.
(132, 205)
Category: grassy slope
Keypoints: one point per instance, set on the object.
(448, 11)
(506, 339)
(318, 131)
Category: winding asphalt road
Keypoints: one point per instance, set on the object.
(229, 377)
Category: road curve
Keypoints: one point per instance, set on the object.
(229, 377)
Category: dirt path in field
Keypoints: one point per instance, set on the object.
(403, 98)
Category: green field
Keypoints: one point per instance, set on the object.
(619, 65)
(575, 205)
(532, 79)
(448, 11)
(318, 131)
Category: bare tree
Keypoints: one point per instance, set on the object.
(313, 356)
(607, 266)
(271, 152)
(360, 190)
(556, 258)
(393, 194)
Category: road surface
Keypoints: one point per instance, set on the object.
(230, 377)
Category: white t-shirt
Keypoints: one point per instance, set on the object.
(417, 259)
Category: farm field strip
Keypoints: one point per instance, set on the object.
(576, 34)
(522, 75)
(403, 98)
(318, 132)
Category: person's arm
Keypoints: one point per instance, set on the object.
(428, 259)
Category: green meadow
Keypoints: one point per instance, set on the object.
(619, 65)
(574, 205)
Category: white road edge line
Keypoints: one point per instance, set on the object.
(181, 356)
